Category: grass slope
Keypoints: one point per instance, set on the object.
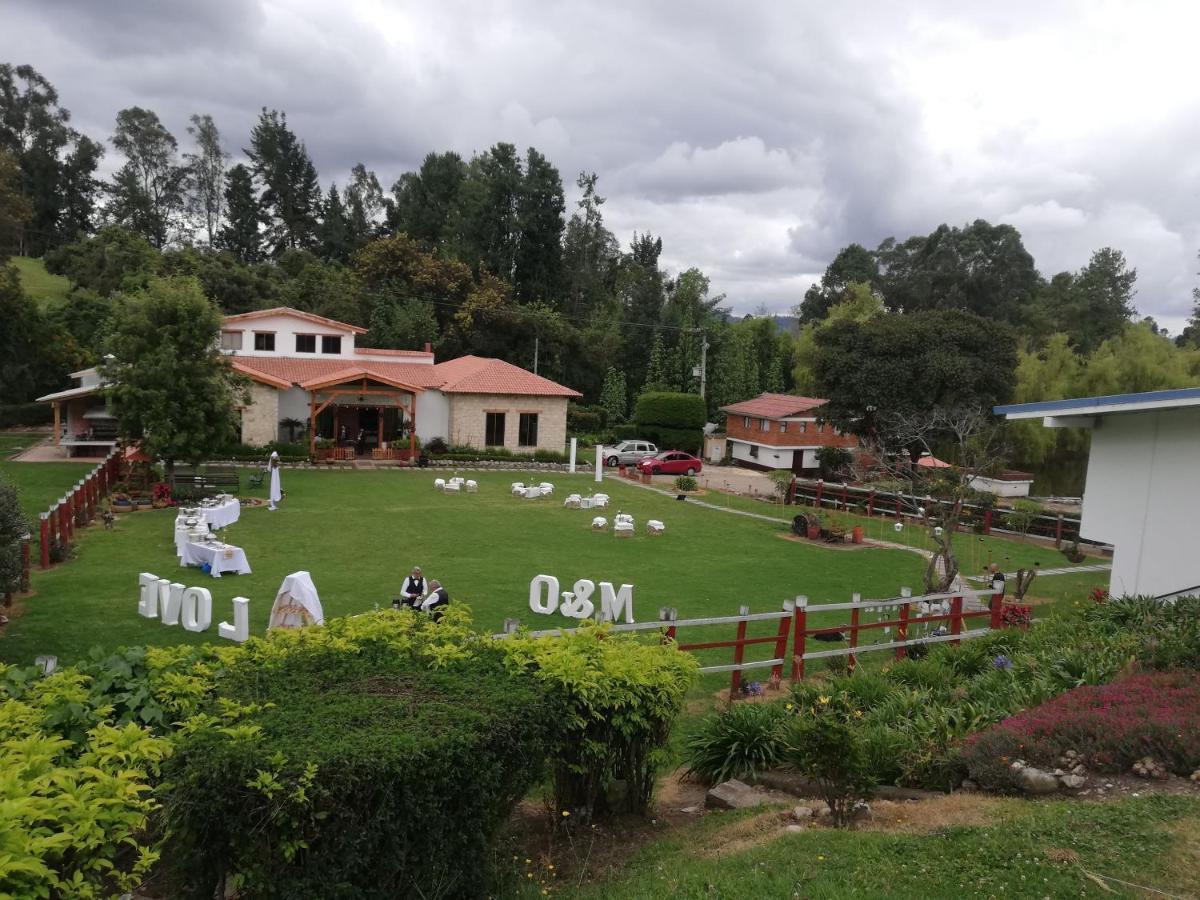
(359, 532)
(1035, 850)
(39, 285)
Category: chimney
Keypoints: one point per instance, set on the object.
(428, 347)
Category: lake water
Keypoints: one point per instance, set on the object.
(1060, 476)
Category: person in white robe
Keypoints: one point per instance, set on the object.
(275, 494)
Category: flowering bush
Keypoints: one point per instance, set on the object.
(825, 741)
(1016, 615)
(1098, 594)
(161, 493)
(1110, 726)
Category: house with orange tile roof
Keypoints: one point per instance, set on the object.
(780, 431)
(307, 368)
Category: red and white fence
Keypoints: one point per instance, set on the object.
(954, 611)
(77, 508)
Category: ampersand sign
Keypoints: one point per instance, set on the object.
(578, 603)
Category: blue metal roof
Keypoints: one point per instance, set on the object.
(1087, 404)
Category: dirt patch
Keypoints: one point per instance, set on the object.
(744, 834)
(946, 811)
(845, 545)
(1185, 860)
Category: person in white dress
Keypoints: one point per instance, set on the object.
(275, 494)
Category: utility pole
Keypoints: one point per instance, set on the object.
(703, 359)
(535, 354)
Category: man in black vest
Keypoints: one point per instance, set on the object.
(437, 600)
(412, 591)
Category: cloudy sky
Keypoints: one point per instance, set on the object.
(757, 138)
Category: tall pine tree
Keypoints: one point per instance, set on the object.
(291, 195)
(242, 232)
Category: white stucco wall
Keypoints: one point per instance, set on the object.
(286, 328)
(293, 404)
(770, 457)
(433, 415)
(1143, 489)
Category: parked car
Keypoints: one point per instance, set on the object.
(671, 462)
(627, 453)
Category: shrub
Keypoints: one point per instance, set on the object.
(14, 414)
(620, 697)
(585, 419)
(1022, 515)
(366, 774)
(670, 410)
(436, 445)
(685, 483)
(826, 743)
(738, 743)
(1111, 726)
(781, 480)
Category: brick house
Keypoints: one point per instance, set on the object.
(779, 431)
(307, 368)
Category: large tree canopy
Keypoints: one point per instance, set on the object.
(171, 386)
(906, 364)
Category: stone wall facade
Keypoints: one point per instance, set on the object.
(260, 417)
(468, 420)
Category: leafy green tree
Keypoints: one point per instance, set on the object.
(614, 396)
(15, 210)
(658, 377)
(858, 303)
(982, 268)
(242, 233)
(327, 289)
(1051, 373)
(1100, 302)
(1139, 359)
(291, 195)
(56, 163)
(400, 268)
(35, 357)
(735, 369)
(405, 325)
(590, 256)
(232, 285)
(147, 193)
(486, 224)
(854, 264)
(900, 366)
(425, 202)
(537, 271)
(365, 205)
(85, 317)
(206, 175)
(171, 387)
(335, 237)
(112, 260)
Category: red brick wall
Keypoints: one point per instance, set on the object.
(736, 429)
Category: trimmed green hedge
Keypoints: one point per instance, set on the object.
(670, 410)
(364, 774)
(12, 414)
(688, 440)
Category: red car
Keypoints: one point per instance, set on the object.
(671, 462)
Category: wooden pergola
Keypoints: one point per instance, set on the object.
(354, 387)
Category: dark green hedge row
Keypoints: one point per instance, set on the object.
(365, 774)
(12, 414)
(670, 410)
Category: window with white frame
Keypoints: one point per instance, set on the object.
(231, 340)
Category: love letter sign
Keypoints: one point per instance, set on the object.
(174, 604)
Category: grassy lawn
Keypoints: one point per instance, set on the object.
(38, 284)
(39, 483)
(1021, 849)
(358, 532)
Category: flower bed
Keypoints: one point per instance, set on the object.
(1110, 727)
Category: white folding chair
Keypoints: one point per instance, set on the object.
(439, 484)
(599, 523)
(472, 486)
(518, 489)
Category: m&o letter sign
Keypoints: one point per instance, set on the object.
(614, 602)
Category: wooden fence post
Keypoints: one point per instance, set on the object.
(67, 519)
(44, 539)
(781, 641)
(739, 651)
(800, 621)
(987, 521)
(871, 503)
(902, 628)
(1058, 532)
(956, 612)
(791, 494)
(855, 598)
(997, 606)
(820, 491)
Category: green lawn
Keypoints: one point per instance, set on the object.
(358, 533)
(1028, 849)
(40, 484)
(38, 284)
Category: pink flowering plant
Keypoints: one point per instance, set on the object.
(1111, 726)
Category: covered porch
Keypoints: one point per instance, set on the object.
(361, 413)
(84, 426)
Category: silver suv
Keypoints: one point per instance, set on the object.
(627, 453)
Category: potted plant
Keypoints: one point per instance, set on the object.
(161, 496)
(856, 534)
(814, 527)
(121, 501)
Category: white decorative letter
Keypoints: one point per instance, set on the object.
(148, 595)
(550, 583)
(577, 604)
(240, 629)
(614, 603)
(197, 609)
(170, 599)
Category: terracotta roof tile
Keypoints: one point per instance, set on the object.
(774, 406)
(465, 375)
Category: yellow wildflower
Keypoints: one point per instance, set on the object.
(823, 700)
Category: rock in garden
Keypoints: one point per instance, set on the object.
(969, 785)
(690, 810)
(794, 829)
(800, 813)
(1073, 782)
(732, 794)
(1035, 781)
(860, 810)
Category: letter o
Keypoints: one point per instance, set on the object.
(540, 584)
(196, 614)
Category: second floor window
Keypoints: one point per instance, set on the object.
(306, 343)
(745, 421)
(783, 427)
(231, 340)
(764, 425)
(331, 343)
(264, 340)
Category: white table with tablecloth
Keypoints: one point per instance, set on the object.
(220, 557)
(222, 514)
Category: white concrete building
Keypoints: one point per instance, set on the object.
(1142, 491)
